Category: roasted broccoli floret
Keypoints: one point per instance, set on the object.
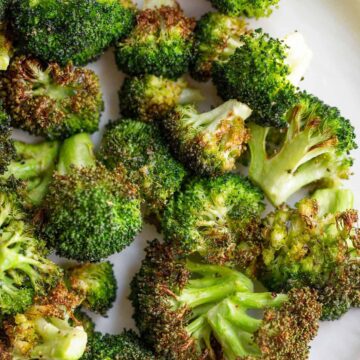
(140, 148)
(96, 283)
(248, 8)
(149, 98)
(34, 165)
(75, 30)
(216, 217)
(125, 346)
(51, 101)
(316, 245)
(263, 73)
(47, 330)
(7, 150)
(209, 143)
(186, 309)
(89, 212)
(161, 42)
(315, 148)
(217, 36)
(24, 269)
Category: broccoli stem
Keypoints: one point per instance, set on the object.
(77, 151)
(153, 4)
(333, 200)
(38, 188)
(190, 96)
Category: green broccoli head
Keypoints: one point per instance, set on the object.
(52, 101)
(75, 30)
(314, 150)
(140, 148)
(209, 143)
(90, 212)
(7, 150)
(160, 44)
(149, 98)
(217, 36)
(186, 309)
(248, 8)
(24, 269)
(96, 282)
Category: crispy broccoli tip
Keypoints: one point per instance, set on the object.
(149, 98)
(314, 150)
(209, 143)
(51, 101)
(7, 150)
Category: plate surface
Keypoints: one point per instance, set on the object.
(332, 30)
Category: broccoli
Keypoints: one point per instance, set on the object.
(47, 330)
(24, 269)
(315, 244)
(208, 143)
(217, 36)
(85, 320)
(34, 164)
(96, 283)
(263, 73)
(6, 49)
(125, 346)
(314, 149)
(140, 148)
(89, 212)
(7, 150)
(186, 309)
(3, 8)
(161, 42)
(75, 30)
(248, 8)
(215, 217)
(150, 98)
(51, 101)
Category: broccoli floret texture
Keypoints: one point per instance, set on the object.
(7, 150)
(74, 30)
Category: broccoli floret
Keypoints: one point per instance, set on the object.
(262, 73)
(75, 30)
(96, 283)
(125, 346)
(209, 143)
(186, 309)
(315, 148)
(6, 49)
(52, 101)
(24, 269)
(217, 36)
(248, 8)
(316, 245)
(7, 150)
(140, 148)
(90, 212)
(149, 98)
(161, 42)
(34, 165)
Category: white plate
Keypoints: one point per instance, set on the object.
(332, 29)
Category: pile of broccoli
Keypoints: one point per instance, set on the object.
(169, 161)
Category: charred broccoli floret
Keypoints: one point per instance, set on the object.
(149, 98)
(209, 143)
(315, 148)
(89, 212)
(51, 101)
(263, 73)
(140, 148)
(248, 8)
(161, 42)
(217, 36)
(75, 30)
(7, 150)
(187, 310)
(96, 283)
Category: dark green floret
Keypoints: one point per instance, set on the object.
(75, 30)
(52, 101)
(7, 150)
(140, 149)
(161, 42)
(90, 212)
(189, 310)
(209, 143)
(95, 282)
(314, 150)
(149, 98)
(3, 8)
